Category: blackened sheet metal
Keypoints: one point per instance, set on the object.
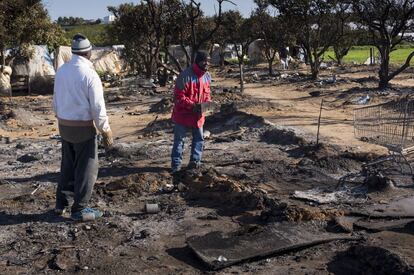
(218, 250)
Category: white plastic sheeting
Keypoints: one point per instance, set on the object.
(256, 51)
(178, 52)
(5, 86)
(40, 64)
(105, 60)
(62, 55)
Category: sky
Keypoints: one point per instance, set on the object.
(94, 9)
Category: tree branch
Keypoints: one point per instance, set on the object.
(403, 67)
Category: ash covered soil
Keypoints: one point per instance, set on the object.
(257, 155)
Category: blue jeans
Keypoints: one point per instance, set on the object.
(178, 146)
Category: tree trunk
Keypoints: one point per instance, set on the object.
(148, 67)
(241, 75)
(306, 57)
(402, 68)
(384, 69)
(163, 79)
(187, 55)
(148, 71)
(3, 59)
(383, 83)
(194, 51)
(315, 68)
(221, 60)
(340, 54)
(270, 62)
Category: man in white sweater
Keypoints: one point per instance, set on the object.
(79, 106)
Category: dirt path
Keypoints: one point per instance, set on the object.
(299, 110)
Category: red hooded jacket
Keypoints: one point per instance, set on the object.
(192, 86)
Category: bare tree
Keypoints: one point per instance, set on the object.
(150, 27)
(239, 33)
(315, 26)
(135, 26)
(274, 31)
(387, 22)
(199, 39)
(345, 42)
(220, 38)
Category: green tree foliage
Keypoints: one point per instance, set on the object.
(97, 34)
(24, 22)
(70, 21)
(76, 21)
(387, 22)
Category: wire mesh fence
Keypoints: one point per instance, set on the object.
(389, 124)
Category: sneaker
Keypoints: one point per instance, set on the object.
(86, 214)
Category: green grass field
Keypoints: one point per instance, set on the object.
(360, 55)
(96, 33)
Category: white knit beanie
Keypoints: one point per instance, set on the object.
(80, 44)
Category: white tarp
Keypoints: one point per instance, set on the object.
(229, 52)
(62, 55)
(5, 86)
(178, 52)
(215, 54)
(105, 60)
(256, 51)
(40, 64)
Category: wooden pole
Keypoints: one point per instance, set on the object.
(371, 57)
(319, 123)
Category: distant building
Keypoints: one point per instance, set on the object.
(409, 36)
(108, 19)
(90, 21)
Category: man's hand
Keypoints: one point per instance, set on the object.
(197, 108)
(205, 107)
(108, 140)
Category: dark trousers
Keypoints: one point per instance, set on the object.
(78, 174)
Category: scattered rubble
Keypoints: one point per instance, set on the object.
(165, 105)
(369, 260)
(266, 194)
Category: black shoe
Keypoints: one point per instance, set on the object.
(193, 165)
(176, 178)
(59, 211)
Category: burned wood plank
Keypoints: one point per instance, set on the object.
(398, 208)
(217, 250)
(382, 225)
(11, 191)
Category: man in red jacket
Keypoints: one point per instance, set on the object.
(192, 90)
